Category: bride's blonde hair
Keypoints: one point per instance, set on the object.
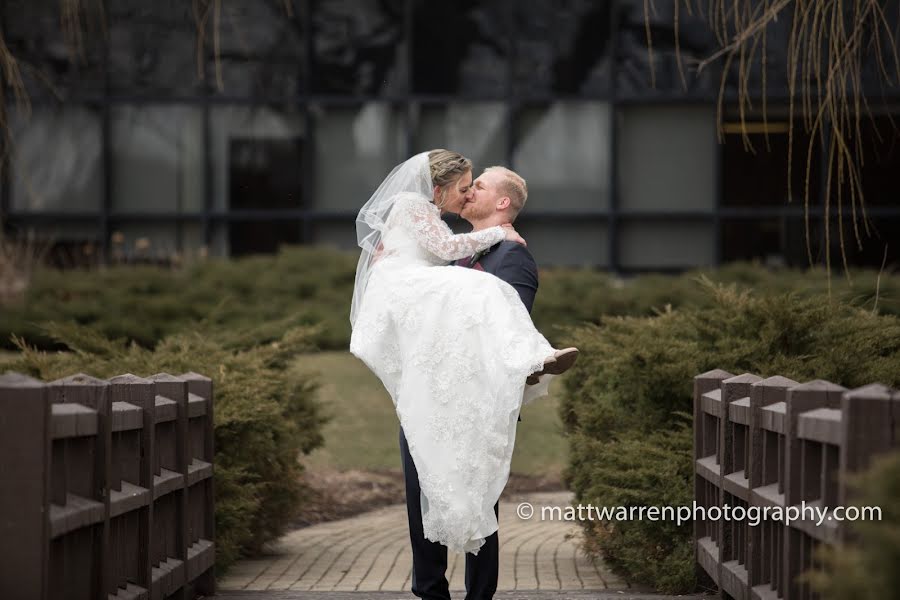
(446, 168)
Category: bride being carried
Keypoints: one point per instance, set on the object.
(452, 346)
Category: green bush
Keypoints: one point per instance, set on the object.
(651, 470)
(251, 300)
(636, 374)
(569, 297)
(240, 302)
(866, 568)
(265, 415)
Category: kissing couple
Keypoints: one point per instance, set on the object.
(454, 347)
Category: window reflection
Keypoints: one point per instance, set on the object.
(562, 47)
(563, 152)
(759, 177)
(667, 158)
(257, 156)
(35, 38)
(696, 42)
(648, 245)
(461, 47)
(477, 130)
(359, 47)
(153, 48)
(773, 241)
(262, 51)
(57, 164)
(157, 156)
(585, 243)
(355, 150)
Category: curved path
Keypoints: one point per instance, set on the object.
(370, 553)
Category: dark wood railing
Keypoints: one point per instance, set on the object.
(777, 443)
(106, 487)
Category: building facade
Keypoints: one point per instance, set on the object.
(312, 102)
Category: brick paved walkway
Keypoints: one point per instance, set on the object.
(370, 552)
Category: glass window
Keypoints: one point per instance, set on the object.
(355, 149)
(562, 47)
(696, 42)
(158, 159)
(570, 243)
(257, 156)
(881, 152)
(158, 243)
(670, 244)
(878, 244)
(461, 47)
(773, 241)
(57, 160)
(759, 177)
(667, 158)
(777, 37)
(50, 67)
(336, 235)
(62, 245)
(262, 52)
(153, 48)
(477, 130)
(563, 152)
(262, 237)
(360, 47)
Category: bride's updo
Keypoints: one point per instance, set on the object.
(446, 168)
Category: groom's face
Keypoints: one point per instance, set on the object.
(484, 199)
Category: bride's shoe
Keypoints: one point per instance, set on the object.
(563, 361)
(560, 362)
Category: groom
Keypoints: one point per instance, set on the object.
(495, 198)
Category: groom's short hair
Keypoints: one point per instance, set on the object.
(512, 185)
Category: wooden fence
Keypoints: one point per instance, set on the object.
(106, 487)
(777, 443)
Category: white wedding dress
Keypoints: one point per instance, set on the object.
(453, 347)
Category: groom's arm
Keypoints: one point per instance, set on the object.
(518, 269)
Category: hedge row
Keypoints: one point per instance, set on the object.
(627, 410)
(265, 416)
(252, 300)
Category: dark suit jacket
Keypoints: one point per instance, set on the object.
(513, 263)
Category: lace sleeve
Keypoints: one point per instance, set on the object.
(433, 234)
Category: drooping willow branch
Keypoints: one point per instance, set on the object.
(829, 44)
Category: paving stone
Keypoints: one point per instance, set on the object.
(371, 553)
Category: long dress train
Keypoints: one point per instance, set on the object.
(453, 347)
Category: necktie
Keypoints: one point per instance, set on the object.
(468, 261)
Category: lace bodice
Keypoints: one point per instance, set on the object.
(415, 232)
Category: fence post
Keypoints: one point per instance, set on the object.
(202, 386)
(24, 487)
(766, 467)
(705, 383)
(865, 432)
(802, 398)
(141, 393)
(732, 543)
(175, 389)
(94, 394)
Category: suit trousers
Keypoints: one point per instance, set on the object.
(429, 579)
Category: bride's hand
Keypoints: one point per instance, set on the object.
(513, 235)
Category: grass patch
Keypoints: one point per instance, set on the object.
(363, 430)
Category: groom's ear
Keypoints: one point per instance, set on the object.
(503, 203)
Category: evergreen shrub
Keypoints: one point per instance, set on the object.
(632, 386)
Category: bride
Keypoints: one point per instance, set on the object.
(452, 346)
